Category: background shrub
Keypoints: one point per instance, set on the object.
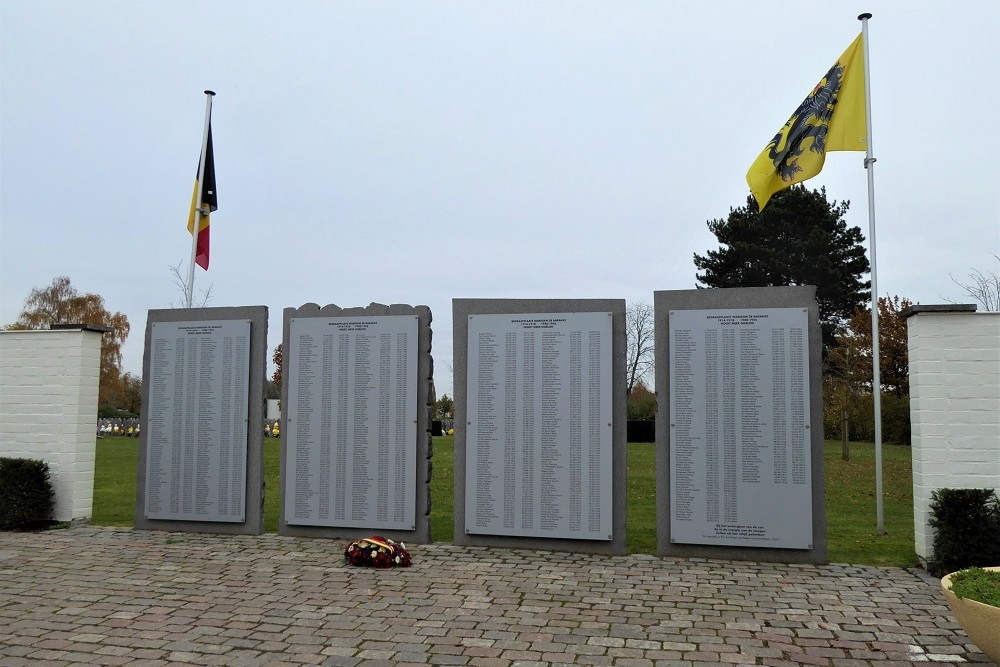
(966, 525)
(861, 419)
(26, 496)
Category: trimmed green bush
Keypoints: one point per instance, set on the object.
(27, 499)
(966, 525)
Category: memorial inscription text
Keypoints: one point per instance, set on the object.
(739, 428)
(351, 439)
(196, 429)
(538, 438)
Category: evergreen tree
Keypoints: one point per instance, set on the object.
(800, 238)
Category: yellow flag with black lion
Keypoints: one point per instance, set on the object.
(831, 118)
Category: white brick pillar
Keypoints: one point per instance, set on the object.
(954, 355)
(48, 408)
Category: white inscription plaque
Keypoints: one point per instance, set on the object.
(196, 429)
(740, 459)
(538, 438)
(350, 451)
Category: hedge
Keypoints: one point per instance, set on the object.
(27, 499)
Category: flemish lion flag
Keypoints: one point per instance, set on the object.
(831, 118)
(209, 202)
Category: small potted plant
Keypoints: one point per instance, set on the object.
(974, 597)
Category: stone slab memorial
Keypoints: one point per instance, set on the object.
(201, 442)
(540, 423)
(740, 424)
(355, 439)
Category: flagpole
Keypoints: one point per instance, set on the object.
(197, 211)
(876, 375)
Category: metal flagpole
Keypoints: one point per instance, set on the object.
(876, 375)
(200, 187)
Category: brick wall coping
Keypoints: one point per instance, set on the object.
(938, 308)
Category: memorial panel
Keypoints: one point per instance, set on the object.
(350, 442)
(539, 432)
(740, 456)
(196, 426)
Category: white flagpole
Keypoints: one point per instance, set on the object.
(197, 210)
(876, 375)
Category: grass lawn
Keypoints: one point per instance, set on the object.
(114, 481)
(850, 497)
(851, 518)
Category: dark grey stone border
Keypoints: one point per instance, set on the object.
(425, 372)
(461, 309)
(254, 523)
(748, 297)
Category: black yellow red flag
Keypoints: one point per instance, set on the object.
(205, 198)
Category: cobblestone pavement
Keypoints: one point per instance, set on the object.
(100, 596)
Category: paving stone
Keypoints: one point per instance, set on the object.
(91, 595)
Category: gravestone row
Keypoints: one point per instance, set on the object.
(540, 423)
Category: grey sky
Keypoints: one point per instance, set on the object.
(413, 152)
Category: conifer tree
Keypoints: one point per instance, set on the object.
(800, 238)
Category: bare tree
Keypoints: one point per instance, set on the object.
(640, 342)
(984, 287)
(181, 281)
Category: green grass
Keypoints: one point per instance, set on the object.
(850, 497)
(272, 483)
(114, 481)
(443, 489)
(851, 519)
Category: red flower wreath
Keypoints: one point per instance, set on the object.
(377, 551)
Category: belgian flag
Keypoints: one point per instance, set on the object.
(204, 197)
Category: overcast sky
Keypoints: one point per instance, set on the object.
(415, 152)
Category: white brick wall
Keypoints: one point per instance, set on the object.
(48, 408)
(954, 408)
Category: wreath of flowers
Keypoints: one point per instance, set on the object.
(377, 551)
